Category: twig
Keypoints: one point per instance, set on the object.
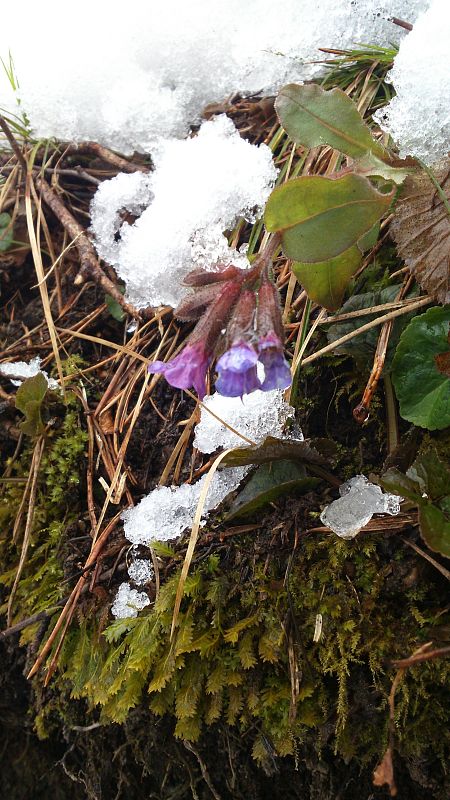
(106, 155)
(90, 268)
(34, 471)
(204, 771)
(25, 623)
(404, 663)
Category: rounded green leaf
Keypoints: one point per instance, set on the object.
(422, 390)
(326, 281)
(313, 116)
(319, 217)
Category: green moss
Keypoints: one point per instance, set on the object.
(231, 659)
(56, 507)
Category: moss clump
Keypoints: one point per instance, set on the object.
(244, 653)
(56, 508)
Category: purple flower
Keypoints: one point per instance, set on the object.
(277, 374)
(237, 371)
(186, 369)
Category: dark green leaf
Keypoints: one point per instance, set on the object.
(29, 399)
(369, 239)
(435, 529)
(431, 474)
(326, 281)
(6, 232)
(269, 482)
(314, 451)
(362, 348)
(422, 390)
(319, 217)
(427, 485)
(313, 116)
(394, 481)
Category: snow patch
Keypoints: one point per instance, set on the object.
(19, 371)
(128, 602)
(418, 117)
(149, 74)
(199, 188)
(168, 510)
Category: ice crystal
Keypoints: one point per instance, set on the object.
(141, 571)
(358, 502)
(128, 602)
(256, 416)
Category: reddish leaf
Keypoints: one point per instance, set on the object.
(421, 229)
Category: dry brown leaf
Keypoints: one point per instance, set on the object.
(384, 773)
(421, 230)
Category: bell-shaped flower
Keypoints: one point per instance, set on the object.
(237, 369)
(187, 369)
(277, 374)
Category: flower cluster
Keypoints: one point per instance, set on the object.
(239, 316)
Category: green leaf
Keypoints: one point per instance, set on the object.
(369, 164)
(435, 529)
(362, 348)
(369, 239)
(6, 232)
(326, 281)
(270, 482)
(29, 398)
(313, 116)
(427, 485)
(319, 217)
(422, 390)
(314, 451)
(113, 306)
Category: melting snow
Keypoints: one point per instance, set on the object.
(141, 571)
(358, 502)
(418, 118)
(199, 188)
(148, 74)
(256, 416)
(19, 371)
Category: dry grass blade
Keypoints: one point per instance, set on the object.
(193, 538)
(34, 472)
(39, 267)
(424, 301)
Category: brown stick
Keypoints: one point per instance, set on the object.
(89, 263)
(106, 155)
(404, 663)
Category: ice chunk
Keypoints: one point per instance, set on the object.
(418, 118)
(199, 188)
(168, 510)
(256, 416)
(358, 502)
(141, 571)
(151, 74)
(128, 602)
(19, 371)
